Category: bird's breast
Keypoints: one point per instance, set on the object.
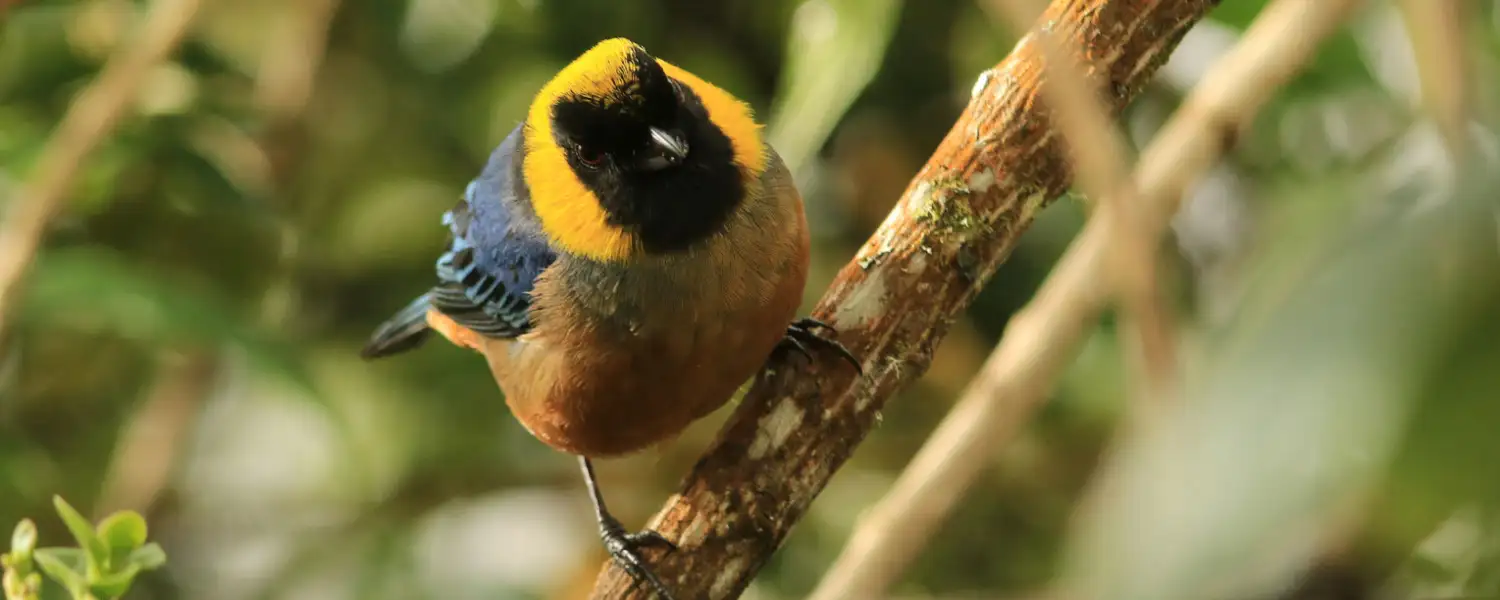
(625, 357)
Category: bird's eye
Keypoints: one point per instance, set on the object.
(590, 158)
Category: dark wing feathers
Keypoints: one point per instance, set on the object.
(488, 290)
(494, 256)
(475, 299)
(404, 331)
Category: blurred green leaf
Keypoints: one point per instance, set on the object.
(20, 581)
(83, 531)
(834, 49)
(148, 557)
(34, 51)
(95, 189)
(436, 34)
(65, 566)
(1295, 410)
(1337, 62)
(22, 587)
(122, 533)
(114, 585)
(1436, 510)
(96, 289)
(23, 540)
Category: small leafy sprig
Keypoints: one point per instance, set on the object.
(106, 562)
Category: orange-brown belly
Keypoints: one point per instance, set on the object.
(598, 391)
(610, 395)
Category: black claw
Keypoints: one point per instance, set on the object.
(811, 323)
(624, 549)
(801, 332)
(797, 346)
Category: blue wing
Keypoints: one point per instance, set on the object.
(495, 254)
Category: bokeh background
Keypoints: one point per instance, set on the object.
(189, 342)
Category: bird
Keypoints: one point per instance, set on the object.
(631, 253)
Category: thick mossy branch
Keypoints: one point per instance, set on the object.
(957, 221)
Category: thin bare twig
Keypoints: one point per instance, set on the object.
(91, 118)
(289, 66)
(1043, 338)
(283, 88)
(999, 164)
(148, 450)
(1101, 154)
(1437, 35)
(1346, 567)
(286, 78)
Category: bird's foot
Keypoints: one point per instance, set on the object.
(624, 549)
(803, 332)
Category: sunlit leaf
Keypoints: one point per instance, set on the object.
(834, 49)
(23, 540)
(436, 34)
(114, 585)
(64, 565)
(122, 533)
(123, 530)
(83, 531)
(149, 557)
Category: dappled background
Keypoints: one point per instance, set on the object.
(188, 344)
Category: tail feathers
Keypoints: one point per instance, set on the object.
(404, 331)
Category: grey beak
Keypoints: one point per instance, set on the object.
(667, 149)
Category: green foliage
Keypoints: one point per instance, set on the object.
(96, 287)
(1372, 298)
(106, 562)
(21, 581)
(834, 49)
(268, 245)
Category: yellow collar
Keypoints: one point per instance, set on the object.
(570, 214)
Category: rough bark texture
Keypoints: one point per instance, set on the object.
(998, 166)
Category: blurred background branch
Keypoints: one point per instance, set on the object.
(150, 445)
(1438, 42)
(1378, 294)
(150, 448)
(1101, 158)
(92, 116)
(1042, 339)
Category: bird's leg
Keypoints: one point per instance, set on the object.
(624, 547)
(802, 332)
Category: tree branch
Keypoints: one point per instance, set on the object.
(1042, 339)
(1100, 155)
(1436, 29)
(90, 119)
(149, 448)
(148, 451)
(959, 218)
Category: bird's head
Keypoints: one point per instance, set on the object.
(627, 155)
